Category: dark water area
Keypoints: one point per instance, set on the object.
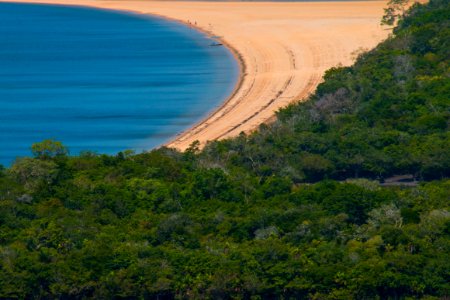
(101, 80)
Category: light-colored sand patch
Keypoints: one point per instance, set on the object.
(285, 49)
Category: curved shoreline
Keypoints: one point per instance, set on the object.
(283, 49)
(242, 68)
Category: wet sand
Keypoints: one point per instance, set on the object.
(284, 49)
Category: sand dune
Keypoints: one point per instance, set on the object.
(284, 49)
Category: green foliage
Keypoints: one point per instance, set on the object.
(48, 149)
(294, 211)
(394, 12)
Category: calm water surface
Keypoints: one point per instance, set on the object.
(102, 80)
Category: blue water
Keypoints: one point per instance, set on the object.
(102, 80)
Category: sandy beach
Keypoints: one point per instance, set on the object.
(284, 49)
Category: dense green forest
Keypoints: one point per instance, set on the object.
(301, 209)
